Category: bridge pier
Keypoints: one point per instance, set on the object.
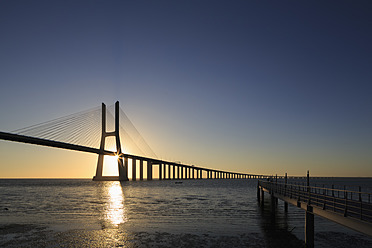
(169, 171)
(149, 170)
(262, 196)
(273, 202)
(141, 170)
(126, 166)
(309, 227)
(134, 168)
(160, 171)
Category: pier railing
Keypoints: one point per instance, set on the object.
(349, 203)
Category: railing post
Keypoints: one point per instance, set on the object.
(285, 192)
(361, 204)
(333, 197)
(360, 193)
(345, 195)
(308, 188)
(324, 197)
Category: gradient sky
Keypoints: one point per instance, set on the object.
(251, 86)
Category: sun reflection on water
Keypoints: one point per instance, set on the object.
(115, 210)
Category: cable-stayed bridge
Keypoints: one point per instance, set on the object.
(100, 131)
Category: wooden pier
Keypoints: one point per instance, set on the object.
(352, 209)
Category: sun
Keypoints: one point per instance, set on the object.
(110, 166)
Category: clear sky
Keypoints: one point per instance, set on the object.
(251, 86)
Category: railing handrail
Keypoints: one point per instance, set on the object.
(316, 187)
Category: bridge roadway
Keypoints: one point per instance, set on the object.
(180, 171)
(352, 209)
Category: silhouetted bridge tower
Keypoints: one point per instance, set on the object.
(49, 133)
(167, 170)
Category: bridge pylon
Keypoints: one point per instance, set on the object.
(123, 175)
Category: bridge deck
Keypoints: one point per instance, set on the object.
(153, 161)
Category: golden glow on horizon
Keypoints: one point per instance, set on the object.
(115, 210)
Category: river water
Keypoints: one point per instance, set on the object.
(188, 213)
